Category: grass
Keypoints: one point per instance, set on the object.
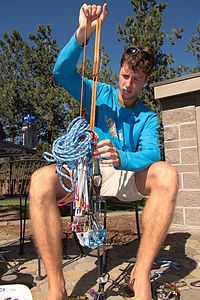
(111, 207)
(12, 203)
(119, 207)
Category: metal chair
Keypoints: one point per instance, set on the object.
(101, 253)
(15, 176)
(135, 206)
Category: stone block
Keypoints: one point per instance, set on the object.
(189, 155)
(172, 144)
(184, 168)
(188, 131)
(192, 216)
(191, 181)
(188, 198)
(178, 217)
(171, 133)
(179, 116)
(172, 156)
(188, 143)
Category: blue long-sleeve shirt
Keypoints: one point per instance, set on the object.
(133, 131)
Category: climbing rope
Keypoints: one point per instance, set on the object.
(70, 148)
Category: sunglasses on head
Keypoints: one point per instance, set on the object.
(134, 51)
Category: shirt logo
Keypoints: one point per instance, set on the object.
(113, 129)
(111, 124)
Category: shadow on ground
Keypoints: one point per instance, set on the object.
(173, 249)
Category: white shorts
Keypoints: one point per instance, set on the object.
(118, 183)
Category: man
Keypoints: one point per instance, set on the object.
(129, 156)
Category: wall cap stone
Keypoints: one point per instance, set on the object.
(177, 86)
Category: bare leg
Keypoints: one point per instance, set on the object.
(160, 181)
(47, 227)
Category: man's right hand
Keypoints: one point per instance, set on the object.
(91, 12)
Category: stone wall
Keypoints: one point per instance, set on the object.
(180, 101)
(181, 150)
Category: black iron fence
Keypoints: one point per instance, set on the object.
(15, 175)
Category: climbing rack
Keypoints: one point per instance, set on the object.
(75, 149)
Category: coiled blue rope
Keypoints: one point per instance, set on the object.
(69, 148)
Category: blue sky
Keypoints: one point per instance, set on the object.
(26, 15)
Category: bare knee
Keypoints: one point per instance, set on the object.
(160, 176)
(44, 185)
(163, 177)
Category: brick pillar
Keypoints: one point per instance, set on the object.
(181, 151)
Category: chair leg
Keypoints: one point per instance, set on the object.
(104, 258)
(137, 219)
(39, 275)
(21, 220)
(101, 258)
(22, 225)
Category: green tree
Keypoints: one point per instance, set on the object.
(194, 48)
(53, 107)
(27, 85)
(12, 77)
(46, 97)
(145, 28)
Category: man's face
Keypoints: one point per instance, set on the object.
(130, 84)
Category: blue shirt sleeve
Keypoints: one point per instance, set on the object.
(66, 74)
(148, 148)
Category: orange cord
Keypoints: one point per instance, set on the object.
(83, 70)
(95, 72)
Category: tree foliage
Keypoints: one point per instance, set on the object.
(145, 28)
(27, 85)
(194, 48)
(12, 77)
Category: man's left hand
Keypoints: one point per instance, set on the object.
(106, 151)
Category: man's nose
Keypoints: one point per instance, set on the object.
(129, 82)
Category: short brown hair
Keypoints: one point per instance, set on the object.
(143, 60)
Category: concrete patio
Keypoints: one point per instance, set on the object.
(182, 245)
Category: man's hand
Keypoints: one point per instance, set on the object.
(91, 12)
(106, 149)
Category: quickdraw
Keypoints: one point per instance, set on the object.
(166, 265)
(168, 291)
